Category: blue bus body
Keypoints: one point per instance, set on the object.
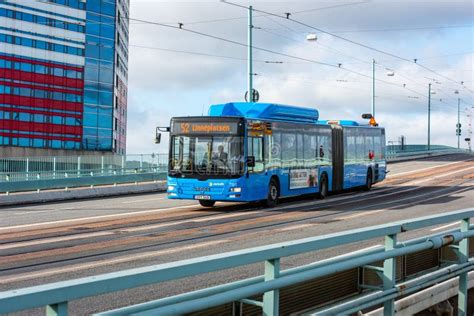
(235, 152)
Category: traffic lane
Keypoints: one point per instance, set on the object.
(46, 212)
(90, 305)
(31, 214)
(423, 163)
(269, 223)
(171, 219)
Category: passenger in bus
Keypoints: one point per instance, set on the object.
(221, 154)
(321, 151)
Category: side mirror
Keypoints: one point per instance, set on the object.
(158, 137)
(251, 161)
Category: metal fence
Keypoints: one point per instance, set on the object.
(42, 173)
(36, 168)
(56, 296)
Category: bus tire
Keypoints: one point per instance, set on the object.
(368, 181)
(207, 203)
(273, 193)
(323, 187)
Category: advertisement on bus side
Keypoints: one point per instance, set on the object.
(303, 178)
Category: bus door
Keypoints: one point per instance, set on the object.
(257, 183)
(337, 158)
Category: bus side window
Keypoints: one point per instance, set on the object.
(310, 152)
(325, 150)
(255, 149)
(299, 150)
(369, 147)
(273, 150)
(361, 154)
(288, 150)
(378, 145)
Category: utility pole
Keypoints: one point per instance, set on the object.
(373, 87)
(429, 116)
(458, 126)
(250, 97)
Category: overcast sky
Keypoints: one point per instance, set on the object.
(439, 34)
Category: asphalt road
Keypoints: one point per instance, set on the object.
(59, 241)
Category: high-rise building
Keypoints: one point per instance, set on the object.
(63, 76)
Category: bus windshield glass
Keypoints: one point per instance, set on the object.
(207, 156)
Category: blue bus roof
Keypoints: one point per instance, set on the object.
(269, 111)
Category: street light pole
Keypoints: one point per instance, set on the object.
(373, 87)
(458, 126)
(249, 57)
(429, 115)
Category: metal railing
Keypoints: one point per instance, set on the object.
(395, 152)
(46, 168)
(56, 296)
(41, 173)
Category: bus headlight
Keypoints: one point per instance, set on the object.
(236, 189)
(171, 188)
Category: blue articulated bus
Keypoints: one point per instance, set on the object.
(243, 152)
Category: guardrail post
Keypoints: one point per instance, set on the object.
(59, 309)
(54, 167)
(463, 280)
(141, 163)
(102, 165)
(389, 273)
(271, 299)
(79, 166)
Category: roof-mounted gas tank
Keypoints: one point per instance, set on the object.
(265, 111)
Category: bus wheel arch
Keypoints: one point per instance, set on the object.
(323, 186)
(273, 192)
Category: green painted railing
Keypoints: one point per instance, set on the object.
(56, 296)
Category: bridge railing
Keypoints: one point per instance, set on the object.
(41, 173)
(56, 296)
(47, 168)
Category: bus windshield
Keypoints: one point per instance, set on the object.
(207, 156)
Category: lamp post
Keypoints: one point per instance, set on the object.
(249, 57)
(429, 115)
(458, 125)
(373, 87)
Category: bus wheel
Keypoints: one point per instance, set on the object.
(323, 187)
(273, 192)
(207, 203)
(368, 182)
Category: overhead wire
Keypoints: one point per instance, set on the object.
(288, 17)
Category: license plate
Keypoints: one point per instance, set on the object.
(202, 197)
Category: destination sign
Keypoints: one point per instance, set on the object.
(205, 127)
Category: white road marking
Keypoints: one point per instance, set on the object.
(297, 226)
(445, 226)
(442, 175)
(92, 218)
(382, 210)
(101, 263)
(53, 239)
(360, 214)
(125, 230)
(144, 200)
(428, 168)
(30, 212)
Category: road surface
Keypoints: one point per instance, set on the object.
(51, 242)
